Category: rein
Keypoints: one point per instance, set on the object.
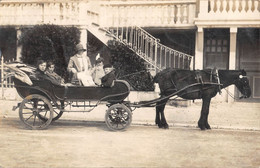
(144, 103)
(232, 96)
(131, 74)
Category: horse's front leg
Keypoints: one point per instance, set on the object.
(161, 107)
(163, 119)
(157, 117)
(203, 121)
(160, 119)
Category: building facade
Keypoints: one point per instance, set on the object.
(216, 33)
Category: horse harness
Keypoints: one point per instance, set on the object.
(213, 79)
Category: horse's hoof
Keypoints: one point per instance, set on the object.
(208, 126)
(166, 126)
(160, 126)
(202, 127)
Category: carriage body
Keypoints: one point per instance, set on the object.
(53, 92)
(44, 101)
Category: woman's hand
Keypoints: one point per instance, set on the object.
(73, 70)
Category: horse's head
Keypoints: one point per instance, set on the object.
(242, 84)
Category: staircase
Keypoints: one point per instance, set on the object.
(149, 48)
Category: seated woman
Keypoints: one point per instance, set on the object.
(108, 79)
(40, 73)
(80, 66)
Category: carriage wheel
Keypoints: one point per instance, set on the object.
(118, 117)
(32, 108)
(56, 114)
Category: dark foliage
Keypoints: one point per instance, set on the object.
(49, 42)
(130, 67)
(94, 47)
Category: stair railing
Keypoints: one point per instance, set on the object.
(151, 50)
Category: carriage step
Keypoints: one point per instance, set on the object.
(15, 107)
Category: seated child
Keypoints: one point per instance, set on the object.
(108, 79)
(50, 72)
(98, 71)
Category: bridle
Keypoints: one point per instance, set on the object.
(231, 95)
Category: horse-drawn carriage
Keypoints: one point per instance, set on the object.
(44, 102)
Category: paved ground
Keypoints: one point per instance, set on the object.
(242, 116)
(83, 140)
(76, 144)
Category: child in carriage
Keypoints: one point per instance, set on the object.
(109, 78)
(40, 73)
(98, 71)
(50, 72)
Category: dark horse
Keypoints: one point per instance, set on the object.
(199, 84)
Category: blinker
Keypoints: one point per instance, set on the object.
(241, 76)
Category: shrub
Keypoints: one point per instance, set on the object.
(49, 42)
(130, 67)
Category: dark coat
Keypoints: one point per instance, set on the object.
(108, 79)
(43, 76)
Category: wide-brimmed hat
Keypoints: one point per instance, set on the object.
(79, 47)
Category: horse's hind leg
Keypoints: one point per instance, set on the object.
(203, 121)
(207, 114)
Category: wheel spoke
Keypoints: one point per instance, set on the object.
(26, 107)
(55, 112)
(34, 120)
(29, 118)
(45, 114)
(27, 113)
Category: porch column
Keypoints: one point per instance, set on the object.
(18, 47)
(232, 58)
(199, 49)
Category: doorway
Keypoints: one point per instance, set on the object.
(248, 58)
(216, 48)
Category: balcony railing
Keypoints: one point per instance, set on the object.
(229, 9)
(107, 14)
(33, 12)
(148, 13)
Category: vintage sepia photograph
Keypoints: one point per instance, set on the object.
(129, 83)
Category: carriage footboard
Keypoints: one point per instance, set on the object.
(16, 107)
